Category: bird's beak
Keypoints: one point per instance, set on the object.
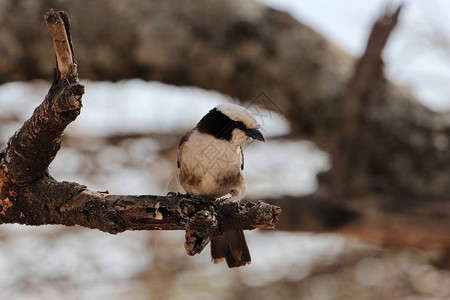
(255, 134)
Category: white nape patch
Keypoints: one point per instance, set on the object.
(238, 113)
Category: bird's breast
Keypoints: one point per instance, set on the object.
(209, 166)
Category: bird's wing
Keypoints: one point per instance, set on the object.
(242, 158)
(183, 140)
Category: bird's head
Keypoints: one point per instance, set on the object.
(232, 123)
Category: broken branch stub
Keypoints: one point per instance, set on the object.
(29, 195)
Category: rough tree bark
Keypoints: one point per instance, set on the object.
(29, 195)
(241, 48)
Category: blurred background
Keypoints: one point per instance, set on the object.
(150, 74)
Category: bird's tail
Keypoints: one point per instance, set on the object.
(232, 247)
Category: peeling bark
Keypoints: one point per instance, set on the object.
(34, 146)
(403, 146)
(47, 201)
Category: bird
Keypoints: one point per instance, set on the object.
(210, 162)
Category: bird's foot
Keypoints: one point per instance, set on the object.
(226, 197)
(177, 194)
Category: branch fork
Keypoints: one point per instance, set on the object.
(29, 195)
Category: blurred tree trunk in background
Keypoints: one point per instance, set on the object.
(241, 48)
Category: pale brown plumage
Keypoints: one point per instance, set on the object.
(211, 163)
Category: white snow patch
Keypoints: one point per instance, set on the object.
(278, 168)
(140, 107)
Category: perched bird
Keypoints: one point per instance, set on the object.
(211, 163)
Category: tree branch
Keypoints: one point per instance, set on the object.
(348, 156)
(28, 195)
(405, 145)
(34, 146)
(59, 26)
(47, 201)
